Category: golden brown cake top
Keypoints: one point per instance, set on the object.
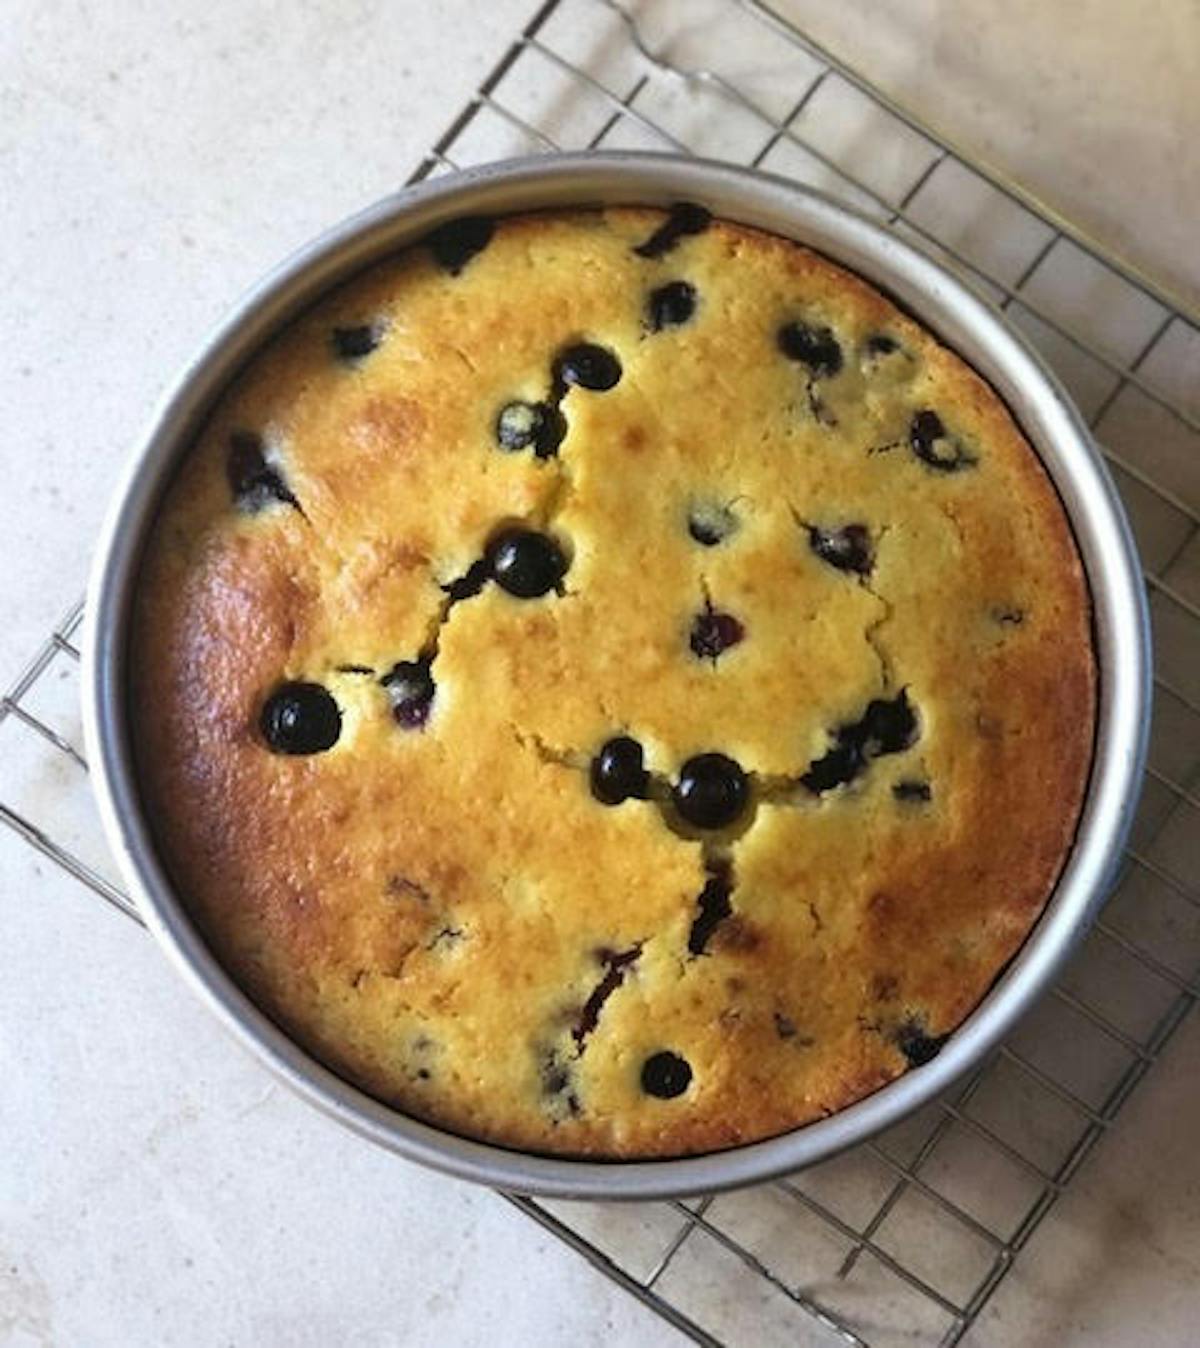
(609, 682)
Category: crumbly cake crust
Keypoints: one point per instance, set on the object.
(770, 555)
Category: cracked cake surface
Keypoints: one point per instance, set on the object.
(610, 683)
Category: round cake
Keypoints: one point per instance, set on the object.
(610, 683)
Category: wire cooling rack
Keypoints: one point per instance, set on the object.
(906, 1238)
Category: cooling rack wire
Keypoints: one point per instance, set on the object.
(907, 1237)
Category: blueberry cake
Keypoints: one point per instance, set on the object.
(610, 683)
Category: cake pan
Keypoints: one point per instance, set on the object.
(965, 322)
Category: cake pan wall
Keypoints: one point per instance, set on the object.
(964, 321)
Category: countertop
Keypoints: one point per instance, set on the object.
(155, 1186)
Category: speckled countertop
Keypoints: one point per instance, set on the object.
(155, 1187)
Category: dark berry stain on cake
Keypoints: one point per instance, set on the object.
(587, 366)
(846, 549)
(880, 344)
(917, 1046)
(916, 792)
(886, 727)
(616, 964)
(255, 483)
(411, 688)
(670, 306)
(713, 633)
(456, 242)
(666, 1075)
(712, 791)
(710, 524)
(814, 347)
(684, 218)
(713, 906)
(300, 718)
(618, 772)
(558, 1083)
(470, 583)
(933, 445)
(351, 344)
(526, 564)
(538, 426)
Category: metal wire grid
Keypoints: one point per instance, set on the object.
(907, 1237)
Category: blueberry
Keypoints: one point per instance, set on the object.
(353, 343)
(840, 765)
(618, 772)
(884, 728)
(847, 549)
(456, 242)
(880, 344)
(300, 718)
(521, 425)
(586, 365)
(713, 633)
(411, 688)
(711, 524)
(670, 305)
(911, 790)
(712, 791)
(917, 1046)
(685, 218)
(666, 1075)
(526, 564)
(715, 906)
(253, 481)
(889, 727)
(932, 445)
(815, 348)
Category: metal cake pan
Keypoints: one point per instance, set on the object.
(965, 322)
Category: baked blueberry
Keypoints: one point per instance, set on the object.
(411, 688)
(713, 633)
(300, 718)
(917, 1046)
(539, 426)
(840, 765)
(880, 344)
(685, 218)
(254, 482)
(912, 790)
(618, 772)
(456, 242)
(931, 443)
(710, 524)
(884, 728)
(847, 549)
(353, 343)
(714, 907)
(525, 563)
(589, 366)
(712, 791)
(816, 348)
(670, 306)
(889, 727)
(666, 1075)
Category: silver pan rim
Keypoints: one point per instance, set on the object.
(962, 318)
